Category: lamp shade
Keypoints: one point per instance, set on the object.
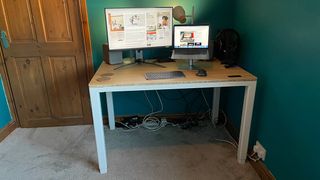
(179, 14)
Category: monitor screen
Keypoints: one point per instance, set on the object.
(137, 28)
(191, 36)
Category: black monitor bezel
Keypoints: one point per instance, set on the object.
(137, 48)
(173, 45)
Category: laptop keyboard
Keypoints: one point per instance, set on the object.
(164, 75)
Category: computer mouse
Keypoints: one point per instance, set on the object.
(201, 72)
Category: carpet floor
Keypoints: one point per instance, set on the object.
(170, 153)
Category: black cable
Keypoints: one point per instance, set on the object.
(189, 108)
(189, 105)
(175, 98)
(164, 96)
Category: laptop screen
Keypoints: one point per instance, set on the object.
(191, 36)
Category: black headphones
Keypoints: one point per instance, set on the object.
(227, 47)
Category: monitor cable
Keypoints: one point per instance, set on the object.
(251, 156)
(209, 111)
(152, 122)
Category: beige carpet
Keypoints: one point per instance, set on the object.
(170, 153)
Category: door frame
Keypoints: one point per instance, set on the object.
(14, 123)
(86, 39)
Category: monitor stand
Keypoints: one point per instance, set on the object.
(189, 66)
(139, 60)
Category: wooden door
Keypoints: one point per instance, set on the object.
(46, 61)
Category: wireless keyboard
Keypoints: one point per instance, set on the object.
(164, 75)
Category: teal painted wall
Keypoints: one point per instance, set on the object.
(5, 116)
(216, 12)
(281, 47)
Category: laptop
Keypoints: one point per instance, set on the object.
(190, 42)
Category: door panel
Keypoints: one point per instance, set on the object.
(56, 20)
(18, 21)
(48, 70)
(28, 81)
(66, 81)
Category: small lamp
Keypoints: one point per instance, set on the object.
(179, 14)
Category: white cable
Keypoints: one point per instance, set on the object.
(252, 158)
(235, 145)
(124, 125)
(129, 127)
(205, 100)
(225, 119)
(210, 112)
(146, 96)
(151, 122)
(161, 109)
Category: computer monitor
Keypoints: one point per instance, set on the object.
(139, 28)
(191, 42)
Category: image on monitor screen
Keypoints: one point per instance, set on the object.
(191, 36)
(138, 28)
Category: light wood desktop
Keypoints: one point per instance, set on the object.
(131, 78)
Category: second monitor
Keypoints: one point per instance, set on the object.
(191, 42)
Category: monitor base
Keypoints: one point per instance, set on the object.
(139, 62)
(189, 66)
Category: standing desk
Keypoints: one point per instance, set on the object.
(131, 78)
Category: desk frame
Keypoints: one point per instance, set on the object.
(247, 109)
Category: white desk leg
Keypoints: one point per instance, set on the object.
(112, 123)
(98, 129)
(247, 109)
(215, 105)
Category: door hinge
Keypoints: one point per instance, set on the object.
(4, 40)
